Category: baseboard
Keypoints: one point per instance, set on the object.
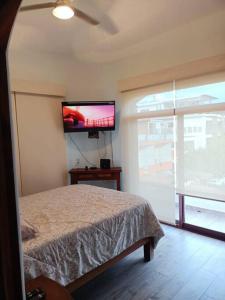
(198, 230)
(204, 231)
(168, 224)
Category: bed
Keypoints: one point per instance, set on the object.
(83, 230)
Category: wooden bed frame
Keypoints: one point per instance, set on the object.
(147, 243)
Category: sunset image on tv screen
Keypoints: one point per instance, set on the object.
(87, 117)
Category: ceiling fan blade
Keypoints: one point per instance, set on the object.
(85, 17)
(38, 6)
(108, 25)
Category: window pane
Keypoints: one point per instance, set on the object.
(201, 155)
(200, 95)
(154, 102)
(149, 99)
(156, 165)
(205, 213)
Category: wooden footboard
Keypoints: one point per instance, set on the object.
(148, 255)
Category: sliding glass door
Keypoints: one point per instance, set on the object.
(175, 144)
(201, 156)
(201, 169)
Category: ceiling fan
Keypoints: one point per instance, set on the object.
(63, 9)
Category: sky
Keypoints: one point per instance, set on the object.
(216, 90)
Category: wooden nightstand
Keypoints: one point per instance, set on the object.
(53, 290)
(96, 174)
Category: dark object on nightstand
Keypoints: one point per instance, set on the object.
(52, 289)
(93, 134)
(96, 174)
(105, 163)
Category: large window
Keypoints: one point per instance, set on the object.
(175, 140)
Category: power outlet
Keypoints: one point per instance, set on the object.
(77, 162)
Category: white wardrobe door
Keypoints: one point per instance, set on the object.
(41, 143)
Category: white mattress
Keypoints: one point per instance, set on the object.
(81, 227)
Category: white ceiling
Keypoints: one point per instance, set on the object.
(137, 21)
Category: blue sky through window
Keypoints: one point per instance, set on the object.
(215, 90)
(214, 93)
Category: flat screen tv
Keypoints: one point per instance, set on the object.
(88, 116)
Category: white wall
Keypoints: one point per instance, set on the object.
(42, 67)
(92, 82)
(98, 81)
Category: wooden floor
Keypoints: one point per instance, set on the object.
(186, 266)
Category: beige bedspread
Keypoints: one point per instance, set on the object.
(81, 227)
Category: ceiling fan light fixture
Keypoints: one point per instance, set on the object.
(63, 12)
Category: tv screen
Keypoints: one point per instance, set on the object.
(88, 116)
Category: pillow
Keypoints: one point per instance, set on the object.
(28, 231)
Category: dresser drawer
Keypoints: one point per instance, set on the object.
(105, 176)
(85, 176)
